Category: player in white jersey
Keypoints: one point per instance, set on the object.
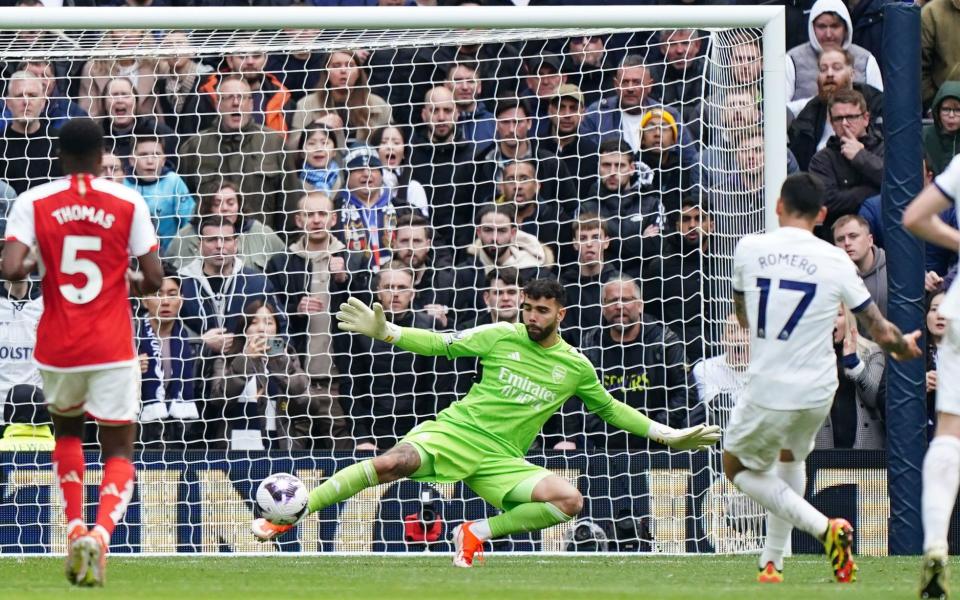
(941, 466)
(788, 285)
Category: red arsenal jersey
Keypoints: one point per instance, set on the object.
(85, 229)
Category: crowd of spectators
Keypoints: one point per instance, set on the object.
(437, 180)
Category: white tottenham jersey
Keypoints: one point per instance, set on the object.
(949, 183)
(18, 337)
(794, 283)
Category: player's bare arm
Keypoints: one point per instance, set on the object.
(740, 307)
(16, 263)
(922, 218)
(149, 277)
(888, 335)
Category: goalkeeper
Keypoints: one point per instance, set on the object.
(528, 373)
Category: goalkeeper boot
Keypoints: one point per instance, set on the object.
(934, 576)
(770, 574)
(467, 546)
(91, 552)
(265, 531)
(838, 544)
(76, 529)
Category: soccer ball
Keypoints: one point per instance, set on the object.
(282, 498)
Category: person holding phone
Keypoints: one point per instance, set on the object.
(258, 376)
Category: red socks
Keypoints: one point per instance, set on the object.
(116, 489)
(68, 465)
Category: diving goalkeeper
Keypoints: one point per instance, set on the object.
(528, 373)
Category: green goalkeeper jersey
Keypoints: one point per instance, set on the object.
(523, 383)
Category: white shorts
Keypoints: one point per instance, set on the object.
(948, 370)
(110, 396)
(756, 435)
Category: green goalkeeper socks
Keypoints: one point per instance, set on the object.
(531, 516)
(343, 484)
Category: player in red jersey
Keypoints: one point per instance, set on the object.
(85, 230)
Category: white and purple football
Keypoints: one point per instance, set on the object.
(282, 498)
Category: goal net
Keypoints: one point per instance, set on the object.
(434, 170)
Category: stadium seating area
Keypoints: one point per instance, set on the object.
(437, 180)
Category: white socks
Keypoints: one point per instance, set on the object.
(941, 477)
(481, 529)
(778, 530)
(776, 496)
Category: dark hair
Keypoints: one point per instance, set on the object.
(509, 103)
(588, 221)
(413, 219)
(25, 404)
(217, 221)
(508, 208)
(466, 64)
(243, 323)
(149, 137)
(546, 289)
(208, 190)
(614, 145)
(376, 138)
(170, 271)
(847, 97)
(802, 194)
(508, 275)
(81, 139)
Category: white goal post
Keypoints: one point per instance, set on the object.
(771, 19)
(196, 505)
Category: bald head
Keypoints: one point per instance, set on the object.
(439, 113)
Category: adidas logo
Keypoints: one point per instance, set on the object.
(514, 356)
(110, 490)
(71, 477)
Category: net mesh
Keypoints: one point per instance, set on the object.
(434, 171)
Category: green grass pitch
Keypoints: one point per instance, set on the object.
(504, 577)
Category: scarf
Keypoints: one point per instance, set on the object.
(365, 225)
(321, 179)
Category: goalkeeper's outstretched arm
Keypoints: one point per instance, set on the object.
(624, 416)
(356, 317)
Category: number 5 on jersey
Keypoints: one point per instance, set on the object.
(71, 264)
(807, 289)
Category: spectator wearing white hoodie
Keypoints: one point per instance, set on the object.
(830, 28)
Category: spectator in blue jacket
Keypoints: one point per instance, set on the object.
(619, 115)
(167, 196)
(217, 285)
(167, 361)
(60, 108)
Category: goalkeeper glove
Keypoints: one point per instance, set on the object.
(698, 437)
(356, 317)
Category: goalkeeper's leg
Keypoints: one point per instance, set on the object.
(549, 501)
(400, 461)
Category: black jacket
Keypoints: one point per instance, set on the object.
(627, 215)
(649, 374)
(443, 170)
(583, 301)
(673, 292)
(389, 390)
(290, 275)
(28, 160)
(807, 129)
(848, 182)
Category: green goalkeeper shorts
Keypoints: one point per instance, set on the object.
(450, 453)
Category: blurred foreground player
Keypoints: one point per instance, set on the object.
(85, 229)
(788, 285)
(941, 465)
(529, 372)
